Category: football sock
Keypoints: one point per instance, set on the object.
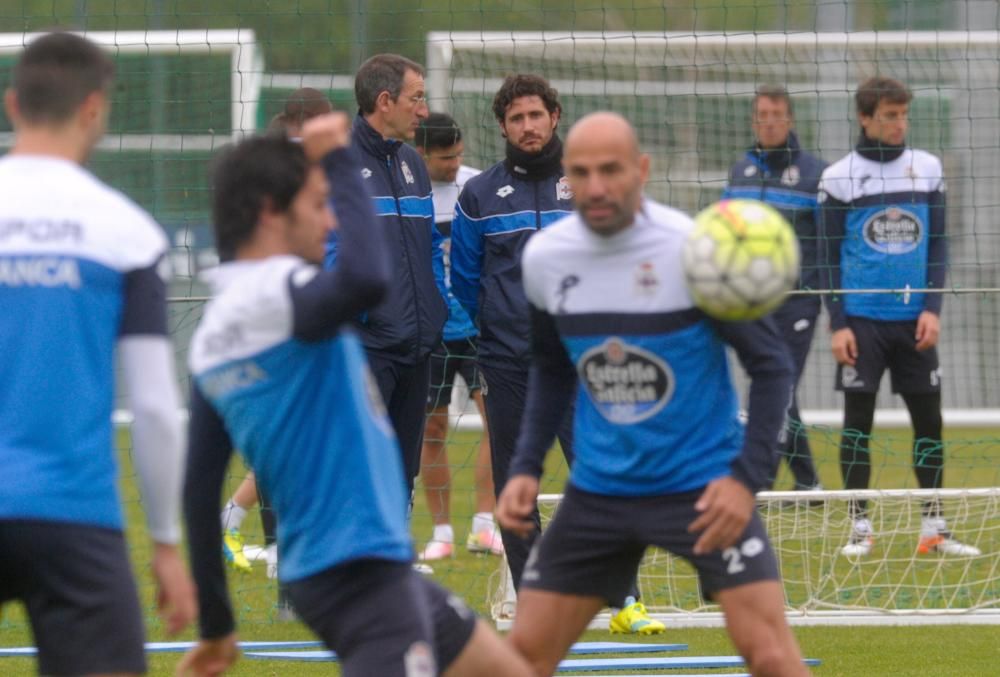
(443, 533)
(232, 516)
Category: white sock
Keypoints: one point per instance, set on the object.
(482, 521)
(863, 527)
(443, 533)
(932, 526)
(232, 516)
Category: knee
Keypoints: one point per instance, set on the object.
(533, 650)
(772, 659)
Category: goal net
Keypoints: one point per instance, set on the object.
(689, 95)
(892, 585)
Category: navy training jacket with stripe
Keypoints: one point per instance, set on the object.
(407, 325)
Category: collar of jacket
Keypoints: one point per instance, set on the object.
(372, 140)
(775, 160)
(535, 166)
(877, 151)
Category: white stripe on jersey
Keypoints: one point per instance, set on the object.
(52, 206)
(251, 312)
(568, 268)
(854, 176)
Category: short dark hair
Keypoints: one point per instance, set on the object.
(775, 93)
(56, 73)
(524, 84)
(437, 130)
(260, 169)
(303, 104)
(382, 73)
(880, 88)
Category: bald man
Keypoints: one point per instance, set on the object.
(661, 457)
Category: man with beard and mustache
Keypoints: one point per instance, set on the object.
(497, 213)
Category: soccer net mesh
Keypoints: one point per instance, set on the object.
(893, 584)
(186, 90)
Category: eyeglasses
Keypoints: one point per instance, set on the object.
(417, 100)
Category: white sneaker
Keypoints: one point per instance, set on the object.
(487, 540)
(437, 550)
(946, 545)
(861, 541)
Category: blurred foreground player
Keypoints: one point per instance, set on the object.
(80, 273)
(661, 457)
(277, 377)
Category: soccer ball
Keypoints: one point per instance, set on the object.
(740, 260)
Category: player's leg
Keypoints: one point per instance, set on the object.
(860, 386)
(755, 621)
(80, 596)
(504, 392)
(797, 322)
(548, 623)
(484, 534)
(436, 478)
(233, 514)
(586, 558)
(916, 375)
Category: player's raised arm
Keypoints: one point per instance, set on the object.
(359, 280)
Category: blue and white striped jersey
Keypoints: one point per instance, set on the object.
(306, 415)
(884, 228)
(656, 411)
(79, 269)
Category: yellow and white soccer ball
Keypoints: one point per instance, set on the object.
(740, 260)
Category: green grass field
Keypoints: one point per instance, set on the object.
(973, 460)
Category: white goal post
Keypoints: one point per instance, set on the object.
(246, 67)
(892, 586)
(688, 95)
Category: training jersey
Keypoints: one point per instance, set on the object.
(656, 410)
(79, 268)
(787, 179)
(497, 213)
(445, 193)
(884, 227)
(307, 417)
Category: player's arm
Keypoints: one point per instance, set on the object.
(727, 503)
(551, 387)
(831, 229)
(146, 357)
(466, 253)
(209, 451)
(437, 262)
(323, 301)
(928, 324)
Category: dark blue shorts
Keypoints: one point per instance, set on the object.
(594, 544)
(451, 358)
(889, 345)
(382, 618)
(76, 583)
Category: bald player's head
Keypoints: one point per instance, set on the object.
(606, 171)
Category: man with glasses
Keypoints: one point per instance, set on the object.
(399, 333)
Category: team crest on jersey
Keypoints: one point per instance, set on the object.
(366, 173)
(790, 176)
(911, 172)
(563, 191)
(749, 170)
(893, 230)
(627, 384)
(407, 174)
(646, 281)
